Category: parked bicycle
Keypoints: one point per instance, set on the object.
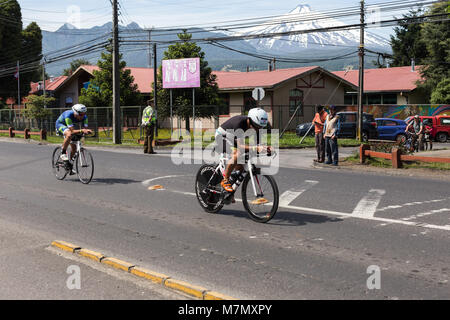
(411, 142)
(82, 162)
(260, 194)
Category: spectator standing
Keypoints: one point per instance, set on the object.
(318, 122)
(330, 132)
(416, 127)
(148, 122)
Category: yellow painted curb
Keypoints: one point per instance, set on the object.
(118, 264)
(148, 274)
(185, 287)
(178, 285)
(91, 254)
(212, 295)
(66, 246)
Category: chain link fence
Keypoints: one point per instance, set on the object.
(285, 118)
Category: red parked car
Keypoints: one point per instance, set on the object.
(441, 126)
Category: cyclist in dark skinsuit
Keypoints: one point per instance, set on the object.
(257, 119)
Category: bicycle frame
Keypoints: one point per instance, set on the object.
(248, 168)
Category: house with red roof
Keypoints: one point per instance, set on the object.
(285, 89)
(391, 86)
(289, 93)
(69, 90)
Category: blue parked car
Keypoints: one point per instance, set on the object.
(390, 129)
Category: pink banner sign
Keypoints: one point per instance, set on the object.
(181, 73)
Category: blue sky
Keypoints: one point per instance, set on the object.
(51, 14)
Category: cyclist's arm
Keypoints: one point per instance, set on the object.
(70, 125)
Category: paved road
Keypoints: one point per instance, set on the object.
(320, 245)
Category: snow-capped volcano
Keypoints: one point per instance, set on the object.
(303, 18)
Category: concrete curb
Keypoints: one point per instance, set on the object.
(166, 281)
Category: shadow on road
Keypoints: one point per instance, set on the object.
(113, 181)
(286, 218)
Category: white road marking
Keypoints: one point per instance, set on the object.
(367, 206)
(290, 195)
(344, 215)
(147, 182)
(423, 214)
(411, 204)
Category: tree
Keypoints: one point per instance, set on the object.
(436, 36)
(208, 93)
(32, 45)
(441, 95)
(20, 45)
(10, 45)
(99, 91)
(407, 42)
(35, 108)
(74, 65)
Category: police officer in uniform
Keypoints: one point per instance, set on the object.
(148, 122)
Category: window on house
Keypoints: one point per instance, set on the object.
(224, 107)
(296, 100)
(350, 99)
(390, 98)
(374, 99)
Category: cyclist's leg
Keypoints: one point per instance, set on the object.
(73, 149)
(229, 148)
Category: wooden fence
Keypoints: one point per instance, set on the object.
(26, 133)
(395, 156)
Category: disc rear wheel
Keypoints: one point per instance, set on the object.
(208, 189)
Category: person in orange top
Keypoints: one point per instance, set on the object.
(318, 122)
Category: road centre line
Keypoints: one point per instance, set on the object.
(345, 215)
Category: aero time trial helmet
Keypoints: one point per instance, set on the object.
(79, 108)
(258, 117)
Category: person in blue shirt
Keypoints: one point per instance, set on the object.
(65, 126)
(331, 129)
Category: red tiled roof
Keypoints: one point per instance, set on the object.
(267, 79)
(50, 84)
(384, 79)
(143, 77)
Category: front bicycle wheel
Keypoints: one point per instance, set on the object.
(58, 165)
(208, 189)
(84, 166)
(262, 206)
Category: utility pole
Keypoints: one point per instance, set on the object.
(43, 81)
(18, 84)
(117, 128)
(155, 88)
(149, 48)
(361, 75)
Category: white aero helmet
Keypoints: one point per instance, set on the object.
(79, 108)
(258, 117)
